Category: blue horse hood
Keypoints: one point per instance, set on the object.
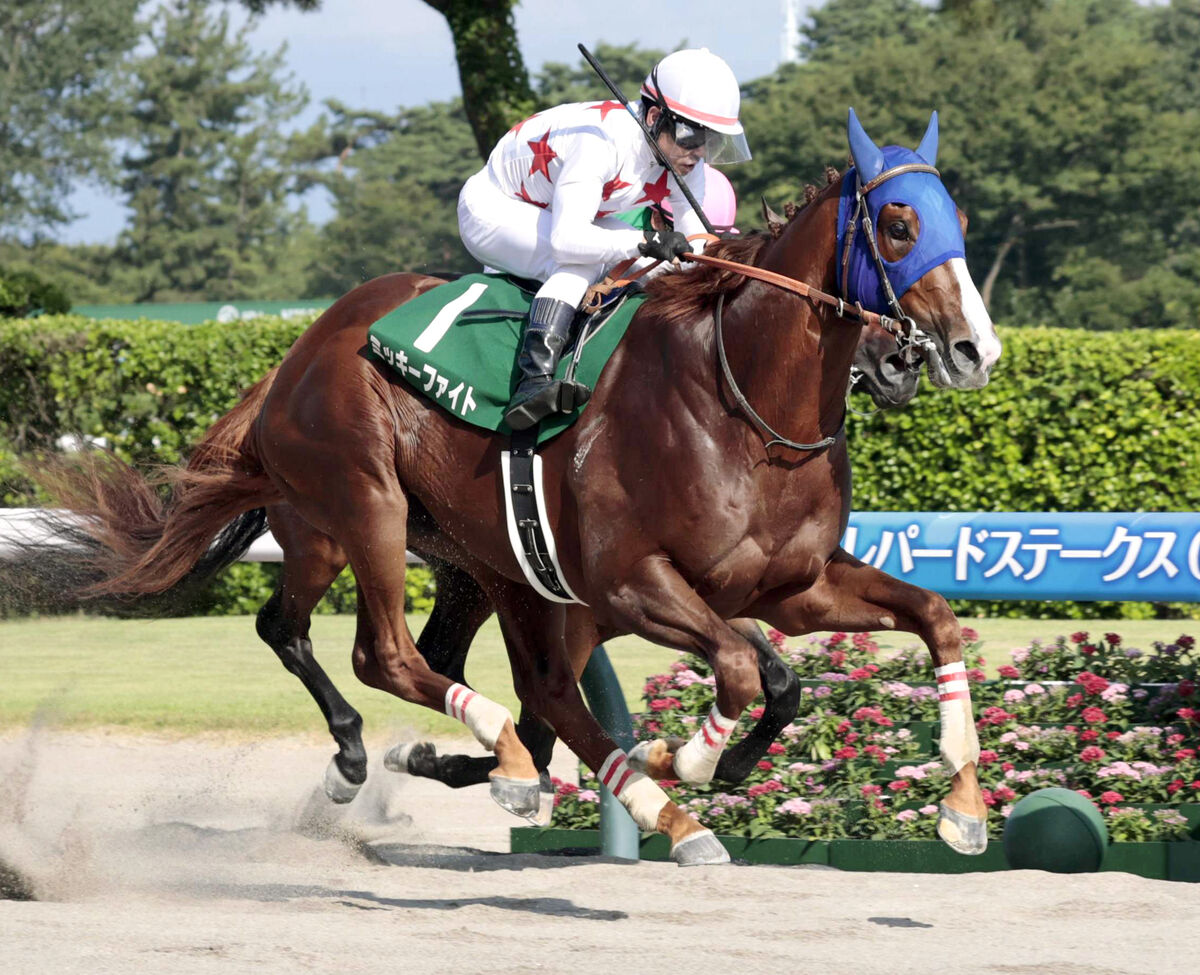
(940, 237)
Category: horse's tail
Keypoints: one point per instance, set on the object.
(119, 536)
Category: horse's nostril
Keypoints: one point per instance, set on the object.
(966, 350)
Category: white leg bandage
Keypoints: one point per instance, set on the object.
(696, 761)
(638, 793)
(959, 743)
(485, 718)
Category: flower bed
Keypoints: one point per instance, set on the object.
(860, 762)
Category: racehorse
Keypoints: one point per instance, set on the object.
(671, 511)
(312, 561)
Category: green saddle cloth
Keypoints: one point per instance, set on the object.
(457, 344)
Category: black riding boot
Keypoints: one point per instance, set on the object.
(538, 395)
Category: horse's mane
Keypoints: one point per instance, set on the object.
(691, 293)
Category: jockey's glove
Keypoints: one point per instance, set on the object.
(664, 245)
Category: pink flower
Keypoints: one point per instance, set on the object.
(1087, 649)
(1080, 637)
(969, 635)
(764, 765)
(1092, 754)
(1009, 671)
(836, 638)
(987, 756)
(1111, 798)
(1090, 735)
(1186, 642)
(976, 675)
(860, 673)
(1093, 716)
(568, 788)
(756, 713)
(872, 790)
(899, 785)
(837, 658)
(1174, 785)
(1186, 688)
(1184, 754)
(848, 752)
(665, 703)
(1114, 639)
(776, 749)
(776, 637)
(1074, 700)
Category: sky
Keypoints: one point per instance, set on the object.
(384, 54)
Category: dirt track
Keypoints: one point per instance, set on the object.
(156, 856)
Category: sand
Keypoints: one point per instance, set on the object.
(151, 855)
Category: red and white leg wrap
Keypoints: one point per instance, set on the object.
(959, 743)
(697, 760)
(485, 718)
(637, 792)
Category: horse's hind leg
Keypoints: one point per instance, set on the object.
(311, 561)
(460, 608)
(386, 656)
(536, 634)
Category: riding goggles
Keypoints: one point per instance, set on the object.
(719, 147)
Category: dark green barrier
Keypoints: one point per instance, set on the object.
(1071, 420)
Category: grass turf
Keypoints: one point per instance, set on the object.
(212, 674)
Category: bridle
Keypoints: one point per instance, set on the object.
(913, 343)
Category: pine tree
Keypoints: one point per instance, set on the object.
(204, 181)
(58, 103)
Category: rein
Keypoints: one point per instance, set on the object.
(910, 339)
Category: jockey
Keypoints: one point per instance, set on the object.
(542, 206)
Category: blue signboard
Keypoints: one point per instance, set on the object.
(1035, 555)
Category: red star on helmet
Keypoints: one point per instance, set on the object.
(605, 107)
(542, 154)
(523, 195)
(614, 184)
(657, 191)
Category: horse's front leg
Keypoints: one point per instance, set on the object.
(853, 596)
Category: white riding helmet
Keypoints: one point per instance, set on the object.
(697, 91)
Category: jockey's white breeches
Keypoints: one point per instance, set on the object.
(513, 236)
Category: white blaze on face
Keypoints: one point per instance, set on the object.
(983, 332)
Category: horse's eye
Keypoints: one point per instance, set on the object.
(898, 230)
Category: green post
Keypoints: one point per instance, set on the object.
(619, 834)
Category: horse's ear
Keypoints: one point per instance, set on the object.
(775, 223)
(927, 150)
(868, 157)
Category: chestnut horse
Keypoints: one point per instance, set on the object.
(671, 513)
(311, 561)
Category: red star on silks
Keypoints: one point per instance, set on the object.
(542, 154)
(614, 184)
(522, 195)
(517, 127)
(655, 192)
(605, 107)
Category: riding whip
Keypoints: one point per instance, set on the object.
(687, 193)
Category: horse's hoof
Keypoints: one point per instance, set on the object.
(339, 788)
(521, 797)
(642, 753)
(396, 759)
(699, 850)
(962, 833)
(545, 811)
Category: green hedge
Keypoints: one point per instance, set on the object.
(1071, 421)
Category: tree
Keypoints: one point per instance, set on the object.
(1069, 136)
(495, 82)
(60, 103)
(395, 182)
(205, 180)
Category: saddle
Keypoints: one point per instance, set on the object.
(457, 345)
